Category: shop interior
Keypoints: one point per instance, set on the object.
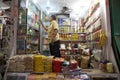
(83, 40)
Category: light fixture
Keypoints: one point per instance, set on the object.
(48, 2)
(27, 3)
(35, 1)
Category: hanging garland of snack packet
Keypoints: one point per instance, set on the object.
(103, 38)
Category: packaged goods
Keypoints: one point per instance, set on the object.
(49, 76)
(38, 77)
(28, 63)
(109, 67)
(102, 65)
(21, 63)
(60, 77)
(57, 63)
(73, 64)
(39, 63)
(48, 64)
(84, 61)
(31, 77)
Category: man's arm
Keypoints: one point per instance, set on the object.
(43, 26)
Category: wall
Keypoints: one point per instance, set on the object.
(107, 50)
(115, 26)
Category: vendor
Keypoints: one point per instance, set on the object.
(53, 36)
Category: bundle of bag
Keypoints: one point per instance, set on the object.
(48, 64)
(21, 63)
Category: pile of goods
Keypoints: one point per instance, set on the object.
(85, 59)
(39, 63)
(73, 64)
(21, 63)
(75, 36)
(57, 64)
(53, 76)
(42, 63)
(50, 76)
(48, 64)
(106, 66)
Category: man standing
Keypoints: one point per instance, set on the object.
(53, 36)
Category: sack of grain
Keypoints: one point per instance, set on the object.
(84, 61)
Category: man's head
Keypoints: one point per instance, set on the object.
(52, 17)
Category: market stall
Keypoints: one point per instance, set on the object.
(83, 44)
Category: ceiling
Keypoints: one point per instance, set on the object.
(78, 7)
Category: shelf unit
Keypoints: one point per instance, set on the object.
(22, 28)
(91, 13)
(6, 35)
(93, 26)
(69, 35)
(28, 33)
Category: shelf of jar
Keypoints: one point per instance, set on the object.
(70, 55)
(72, 33)
(93, 22)
(98, 29)
(64, 25)
(72, 41)
(32, 42)
(30, 26)
(92, 41)
(21, 36)
(94, 9)
(75, 49)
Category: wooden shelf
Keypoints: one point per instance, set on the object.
(33, 43)
(96, 6)
(69, 50)
(65, 25)
(70, 54)
(73, 33)
(95, 30)
(94, 9)
(72, 41)
(93, 22)
(92, 41)
(33, 27)
(46, 50)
